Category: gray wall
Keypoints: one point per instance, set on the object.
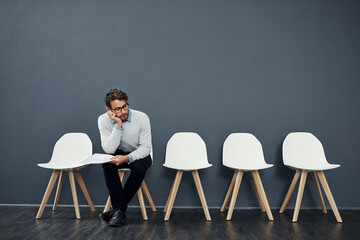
(209, 66)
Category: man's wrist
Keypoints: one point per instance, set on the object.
(119, 128)
(125, 158)
(130, 159)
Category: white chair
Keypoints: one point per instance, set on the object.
(243, 153)
(67, 155)
(143, 188)
(304, 153)
(186, 151)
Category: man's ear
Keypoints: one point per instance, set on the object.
(108, 109)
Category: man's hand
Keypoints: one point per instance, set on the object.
(119, 159)
(113, 117)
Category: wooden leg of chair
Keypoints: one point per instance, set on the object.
(58, 190)
(258, 194)
(299, 195)
(201, 194)
(84, 190)
(48, 190)
(329, 196)
(173, 194)
(74, 195)
(122, 176)
(239, 175)
(148, 196)
(290, 191)
(228, 194)
(108, 204)
(318, 191)
(262, 194)
(171, 190)
(142, 204)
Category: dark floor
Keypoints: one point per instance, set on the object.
(20, 223)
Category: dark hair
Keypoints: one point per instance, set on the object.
(115, 94)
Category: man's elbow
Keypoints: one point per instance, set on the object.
(108, 150)
(148, 150)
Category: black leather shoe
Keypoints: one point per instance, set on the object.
(106, 216)
(117, 219)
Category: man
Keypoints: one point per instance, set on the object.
(125, 133)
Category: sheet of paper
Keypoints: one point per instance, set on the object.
(98, 158)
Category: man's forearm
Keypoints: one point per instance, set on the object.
(112, 142)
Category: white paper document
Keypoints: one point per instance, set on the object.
(98, 158)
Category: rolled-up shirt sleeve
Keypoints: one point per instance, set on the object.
(144, 148)
(110, 136)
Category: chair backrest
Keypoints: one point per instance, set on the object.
(72, 148)
(303, 150)
(242, 150)
(186, 151)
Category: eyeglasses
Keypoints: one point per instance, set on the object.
(119, 109)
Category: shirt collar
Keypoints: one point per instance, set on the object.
(129, 117)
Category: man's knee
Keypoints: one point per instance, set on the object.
(138, 170)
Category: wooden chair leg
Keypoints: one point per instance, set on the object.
(239, 175)
(299, 195)
(228, 193)
(122, 175)
(171, 190)
(108, 204)
(148, 196)
(173, 194)
(318, 191)
(290, 191)
(262, 194)
(142, 204)
(84, 190)
(201, 194)
(329, 195)
(48, 190)
(74, 195)
(258, 194)
(58, 190)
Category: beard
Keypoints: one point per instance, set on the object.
(123, 117)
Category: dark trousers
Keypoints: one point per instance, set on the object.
(120, 197)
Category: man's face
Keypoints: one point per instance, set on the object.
(120, 108)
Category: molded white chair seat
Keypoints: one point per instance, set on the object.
(125, 169)
(250, 166)
(188, 168)
(303, 152)
(315, 167)
(186, 151)
(243, 153)
(61, 166)
(69, 152)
